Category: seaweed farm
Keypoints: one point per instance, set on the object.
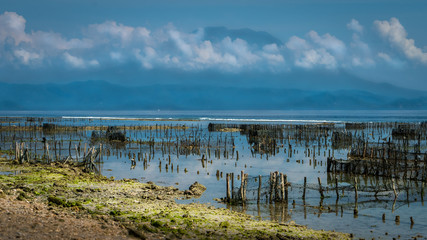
(363, 177)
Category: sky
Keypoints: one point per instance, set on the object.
(131, 41)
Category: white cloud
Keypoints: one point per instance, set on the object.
(311, 58)
(296, 44)
(316, 51)
(361, 46)
(328, 42)
(396, 34)
(111, 28)
(26, 57)
(12, 26)
(362, 62)
(361, 52)
(181, 43)
(74, 61)
(206, 54)
(240, 49)
(148, 57)
(384, 56)
(53, 41)
(271, 48)
(355, 26)
(117, 56)
(272, 54)
(111, 31)
(77, 62)
(93, 63)
(394, 62)
(273, 58)
(115, 44)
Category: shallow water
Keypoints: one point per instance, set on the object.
(339, 216)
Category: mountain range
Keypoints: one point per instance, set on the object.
(291, 91)
(127, 87)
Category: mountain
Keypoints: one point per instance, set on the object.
(102, 95)
(260, 38)
(313, 81)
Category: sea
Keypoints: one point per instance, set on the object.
(376, 218)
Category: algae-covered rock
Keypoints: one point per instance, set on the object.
(2, 194)
(197, 189)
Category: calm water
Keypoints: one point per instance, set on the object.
(244, 115)
(340, 217)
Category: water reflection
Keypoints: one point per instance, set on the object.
(182, 152)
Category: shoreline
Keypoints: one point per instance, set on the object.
(146, 210)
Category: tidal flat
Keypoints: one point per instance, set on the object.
(363, 178)
(145, 210)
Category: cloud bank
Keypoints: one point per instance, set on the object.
(396, 35)
(114, 44)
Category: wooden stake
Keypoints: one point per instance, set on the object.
(259, 188)
(336, 188)
(282, 186)
(320, 188)
(394, 188)
(228, 187)
(232, 185)
(355, 188)
(305, 185)
(242, 178)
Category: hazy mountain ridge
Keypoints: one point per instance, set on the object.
(102, 95)
(261, 38)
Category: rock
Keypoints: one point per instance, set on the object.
(197, 188)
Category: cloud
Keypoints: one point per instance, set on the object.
(112, 44)
(316, 51)
(355, 26)
(77, 62)
(121, 35)
(241, 50)
(314, 57)
(271, 52)
(361, 53)
(191, 52)
(384, 56)
(146, 57)
(12, 26)
(115, 43)
(394, 62)
(182, 45)
(396, 34)
(74, 61)
(296, 44)
(207, 54)
(328, 42)
(26, 57)
(49, 41)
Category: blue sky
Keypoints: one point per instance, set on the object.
(118, 41)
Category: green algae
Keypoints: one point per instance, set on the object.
(138, 206)
(62, 202)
